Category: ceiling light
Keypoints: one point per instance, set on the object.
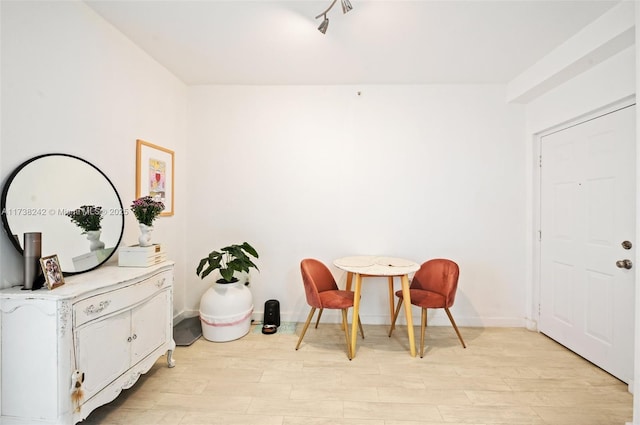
(324, 25)
(346, 6)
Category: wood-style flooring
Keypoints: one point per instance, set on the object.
(504, 376)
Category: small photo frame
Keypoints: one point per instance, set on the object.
(154, 174)
(52, 272)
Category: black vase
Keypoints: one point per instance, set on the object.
(32, 253)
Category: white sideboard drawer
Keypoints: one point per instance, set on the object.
(110, 302)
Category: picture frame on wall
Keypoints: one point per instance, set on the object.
(52, 271)
(155, 174)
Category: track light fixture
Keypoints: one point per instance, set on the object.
(346, 6)
(324, 25)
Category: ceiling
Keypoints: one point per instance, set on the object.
(378, 42)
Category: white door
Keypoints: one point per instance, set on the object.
(587, 214)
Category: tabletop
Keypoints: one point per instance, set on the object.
(374, 265)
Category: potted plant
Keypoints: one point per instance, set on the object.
(231, 259)
(146, 209)
(89, 218)
(226, 307)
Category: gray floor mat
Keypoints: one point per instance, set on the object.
(187, 331)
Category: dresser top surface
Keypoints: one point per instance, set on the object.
(79, 284)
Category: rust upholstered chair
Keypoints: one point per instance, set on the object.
(433, 286)
(322, 292)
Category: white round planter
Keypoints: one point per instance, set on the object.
(225, 311)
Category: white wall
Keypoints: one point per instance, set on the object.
(71, 83)
(603, 38)
(417, 171)
(411, 171)
(602, 85)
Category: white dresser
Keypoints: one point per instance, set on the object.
(109, 326)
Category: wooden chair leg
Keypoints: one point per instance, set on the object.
(319, 316)
(395, 316)
(346, 332)
(453, 322)
(423, 328)
(306, 325)
(360, 326)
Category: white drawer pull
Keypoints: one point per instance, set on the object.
(160, 282)
(92, 309)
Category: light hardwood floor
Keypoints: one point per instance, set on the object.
(504, 376)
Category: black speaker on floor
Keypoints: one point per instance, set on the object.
(272, 312)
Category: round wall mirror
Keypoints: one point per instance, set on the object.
(41, 191)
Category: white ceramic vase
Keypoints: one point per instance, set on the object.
(94, 240)
(225, 311)
(145, 235)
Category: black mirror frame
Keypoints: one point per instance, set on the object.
(3, 205)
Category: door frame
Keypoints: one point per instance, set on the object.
(533, 236)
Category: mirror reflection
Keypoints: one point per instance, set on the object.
(39, 197)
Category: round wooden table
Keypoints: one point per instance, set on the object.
(377, 266)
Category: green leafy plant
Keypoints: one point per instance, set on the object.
(87, 217)
(146, 209)
(230, 259)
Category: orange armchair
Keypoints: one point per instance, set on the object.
(433, 286)
(322, 292)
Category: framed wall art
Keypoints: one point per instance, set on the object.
(52, 272)
(155, 174)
